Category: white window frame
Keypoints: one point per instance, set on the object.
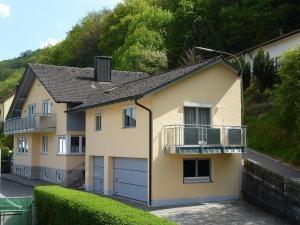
(62, 145)
(131, 108)
(31, 110)
(22, 144)
(44, 142)
(98, 114)
(46, 105)
(68, 145)
(198, 179)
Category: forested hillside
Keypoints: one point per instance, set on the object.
(155, 35)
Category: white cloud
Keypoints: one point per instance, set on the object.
(4, 10)
(50, 42)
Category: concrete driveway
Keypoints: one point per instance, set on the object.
(12, 189)
(229, 213)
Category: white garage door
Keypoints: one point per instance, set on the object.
(98, 174)
(131, 178)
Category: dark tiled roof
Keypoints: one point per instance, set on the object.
(141, 87)
(70, 84)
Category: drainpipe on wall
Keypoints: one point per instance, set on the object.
(150, 150)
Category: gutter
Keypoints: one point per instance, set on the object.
(150, 150)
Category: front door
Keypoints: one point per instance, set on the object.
(196, 120)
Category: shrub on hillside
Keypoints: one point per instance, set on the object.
(60, 206)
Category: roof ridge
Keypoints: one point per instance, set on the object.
(81, 68)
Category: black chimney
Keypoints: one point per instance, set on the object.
(102, 68)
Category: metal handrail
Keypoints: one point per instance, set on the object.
(189, 135)
(29, 123)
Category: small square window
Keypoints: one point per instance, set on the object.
(196, 171)
(129, 117)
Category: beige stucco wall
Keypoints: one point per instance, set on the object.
(114, 140)
(217, 86)
(4, 107)
(52, 159)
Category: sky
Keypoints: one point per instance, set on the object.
(32, 24)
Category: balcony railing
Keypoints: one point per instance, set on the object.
(195, 139)
(35, 123)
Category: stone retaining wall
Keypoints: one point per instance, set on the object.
(271, 191)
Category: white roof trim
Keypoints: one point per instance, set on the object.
(198, 104)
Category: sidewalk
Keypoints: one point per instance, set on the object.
(23, 180)
(273, 165)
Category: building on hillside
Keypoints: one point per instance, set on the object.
(171, 138)
(5, 104)
(275, 47)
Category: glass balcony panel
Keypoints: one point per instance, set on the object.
(234, 136)
(213, 136)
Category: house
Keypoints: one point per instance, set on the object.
(275, 47)
(171, 138)
(5, 104)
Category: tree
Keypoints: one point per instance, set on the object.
(246, 71)
(144, 46)
(288, 92)
(263, 70)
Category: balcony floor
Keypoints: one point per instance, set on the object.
(207, 150)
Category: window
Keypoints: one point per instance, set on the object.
(98, 121)
(31, 110)
(196, 171)
(58, 177)
(71, 144)
(44, 173)
(22, 145)
(75, 144)
(46, 107)
(129, 117)
(44, 144)
(62, 144)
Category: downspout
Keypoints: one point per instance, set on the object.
(150, 149)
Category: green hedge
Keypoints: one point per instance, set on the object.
(60, 206)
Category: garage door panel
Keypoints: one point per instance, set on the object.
(98, 174)
(98, 185)
(131, 177)
(131, 164)
(98, 161)
(130, 191)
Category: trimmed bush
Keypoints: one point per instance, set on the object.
(61, 206)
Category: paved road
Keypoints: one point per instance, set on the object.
(229, 213)
(272, 164)
(12, 189)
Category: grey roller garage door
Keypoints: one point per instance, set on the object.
(131, 178)
(98, 174)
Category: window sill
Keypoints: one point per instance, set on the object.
(71, 154)
(197, 180)
(19, 153)
(128, 127)
(44, 153)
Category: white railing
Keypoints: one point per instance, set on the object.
(37, 122)
(204, 136)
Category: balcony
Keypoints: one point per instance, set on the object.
(198, 139)
(36, 123)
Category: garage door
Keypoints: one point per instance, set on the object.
(98, 174)
(131, 178)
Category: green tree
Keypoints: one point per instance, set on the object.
(288, 92)
(144, 46)
(263, 70)
(245, 71)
